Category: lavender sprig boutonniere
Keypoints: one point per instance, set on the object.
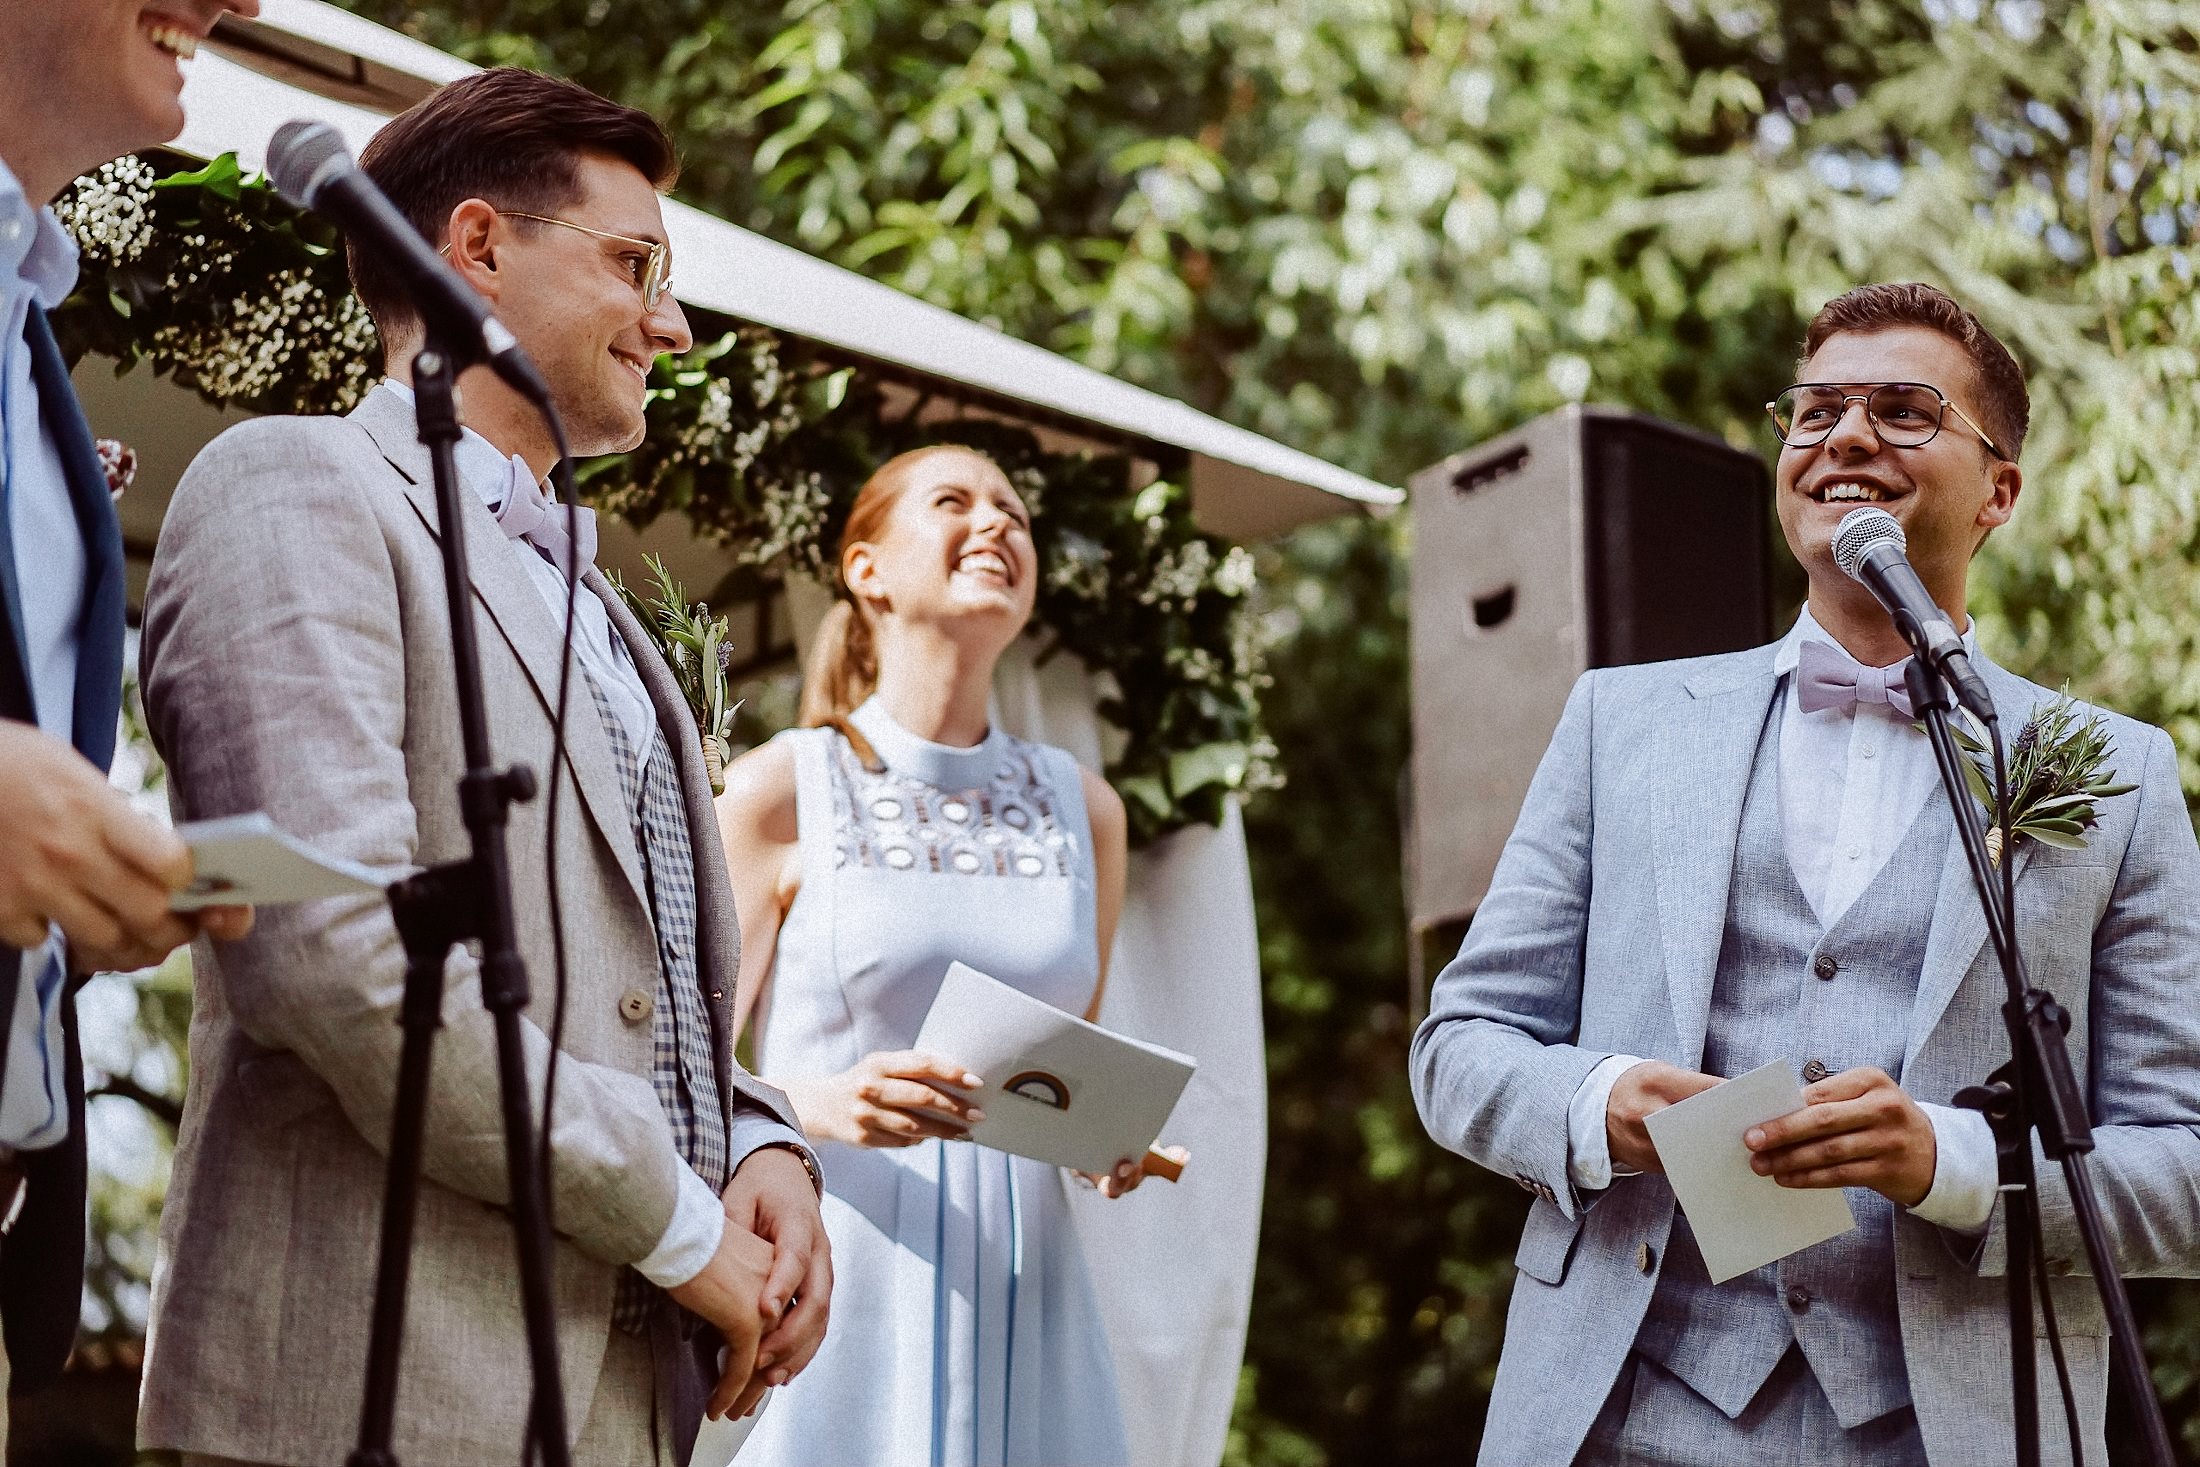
(698, 647)
(2057, 776)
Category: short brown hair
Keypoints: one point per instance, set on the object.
(2004, 403)
(509, 136)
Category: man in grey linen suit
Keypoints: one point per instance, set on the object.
(296, 659)
(1736, 859)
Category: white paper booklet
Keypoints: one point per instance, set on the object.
(243, 860)
(1742, 1221)
(1057, 1089)
(720, 1441)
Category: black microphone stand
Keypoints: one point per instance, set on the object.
(2036, 1091)
(437, 909)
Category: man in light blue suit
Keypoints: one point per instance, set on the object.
(1736, 859)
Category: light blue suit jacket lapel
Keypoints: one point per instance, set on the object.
(1710, 740)
(1959, 921)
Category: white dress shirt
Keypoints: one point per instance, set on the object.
(698, 1217)
(38, 263)
(1852, 780)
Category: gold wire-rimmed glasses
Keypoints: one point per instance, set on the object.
(656, 272)
(1902, 414)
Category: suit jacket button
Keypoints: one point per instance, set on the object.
(636, 1005)
(1825, 967)
(1798, 1299)
(1814, 1071)
(1646, 1257)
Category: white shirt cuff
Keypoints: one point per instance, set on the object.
(691, 1238)
(1589, 1150)
(1966, 1171)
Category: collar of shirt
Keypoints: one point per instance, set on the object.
(1807, 629)
(603, 653)
(36, 254)
(482, 466)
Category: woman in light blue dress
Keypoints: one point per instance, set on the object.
(895, 833)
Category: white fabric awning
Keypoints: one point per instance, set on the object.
(303, 58)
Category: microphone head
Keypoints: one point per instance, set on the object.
(1862, 530)
(298, 158)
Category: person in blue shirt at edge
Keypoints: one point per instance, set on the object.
(84, 877)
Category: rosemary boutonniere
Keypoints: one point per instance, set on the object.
(697, 647)
(2056, 776)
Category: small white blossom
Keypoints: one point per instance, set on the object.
(111, 212)
(1234, 577)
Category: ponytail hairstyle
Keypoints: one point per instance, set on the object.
(843, 665)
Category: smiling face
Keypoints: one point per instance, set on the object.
(1947, 494)
(89, 80)
(575, 300)
(955, 550)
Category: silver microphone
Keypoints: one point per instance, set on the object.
(1868, 545)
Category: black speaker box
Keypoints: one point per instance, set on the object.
(1592, 537)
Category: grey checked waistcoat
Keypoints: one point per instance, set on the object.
(683, 1071)
(1787, 987)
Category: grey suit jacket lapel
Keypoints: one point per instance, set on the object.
(1959, 921)
(717, 926)
(1706, 748)
(517, 608)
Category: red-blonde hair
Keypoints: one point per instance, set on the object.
(843, 665)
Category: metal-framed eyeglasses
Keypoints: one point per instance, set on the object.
(652, 273)
(1902, 414)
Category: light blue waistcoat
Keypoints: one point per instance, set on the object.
(1768, 1001)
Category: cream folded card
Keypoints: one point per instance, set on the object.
(1742, 1221)
(243, 860)
(1057, 1089)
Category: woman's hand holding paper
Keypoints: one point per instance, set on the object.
(888, 1099)
(1130, 1171)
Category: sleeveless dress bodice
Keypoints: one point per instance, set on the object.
(965, 1331)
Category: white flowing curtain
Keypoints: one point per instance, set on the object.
(1185, 973)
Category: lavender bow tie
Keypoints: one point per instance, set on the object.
(532, 515)
(1828, 677)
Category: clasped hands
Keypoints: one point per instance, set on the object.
(79, 856)
(769, 1288)
(1856, 1129)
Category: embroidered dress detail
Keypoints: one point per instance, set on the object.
(1007, 826)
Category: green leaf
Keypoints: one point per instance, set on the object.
(1218, 763)
(1146, 792)
(1981, 789)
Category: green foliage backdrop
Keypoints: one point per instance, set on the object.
(1384, 229)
